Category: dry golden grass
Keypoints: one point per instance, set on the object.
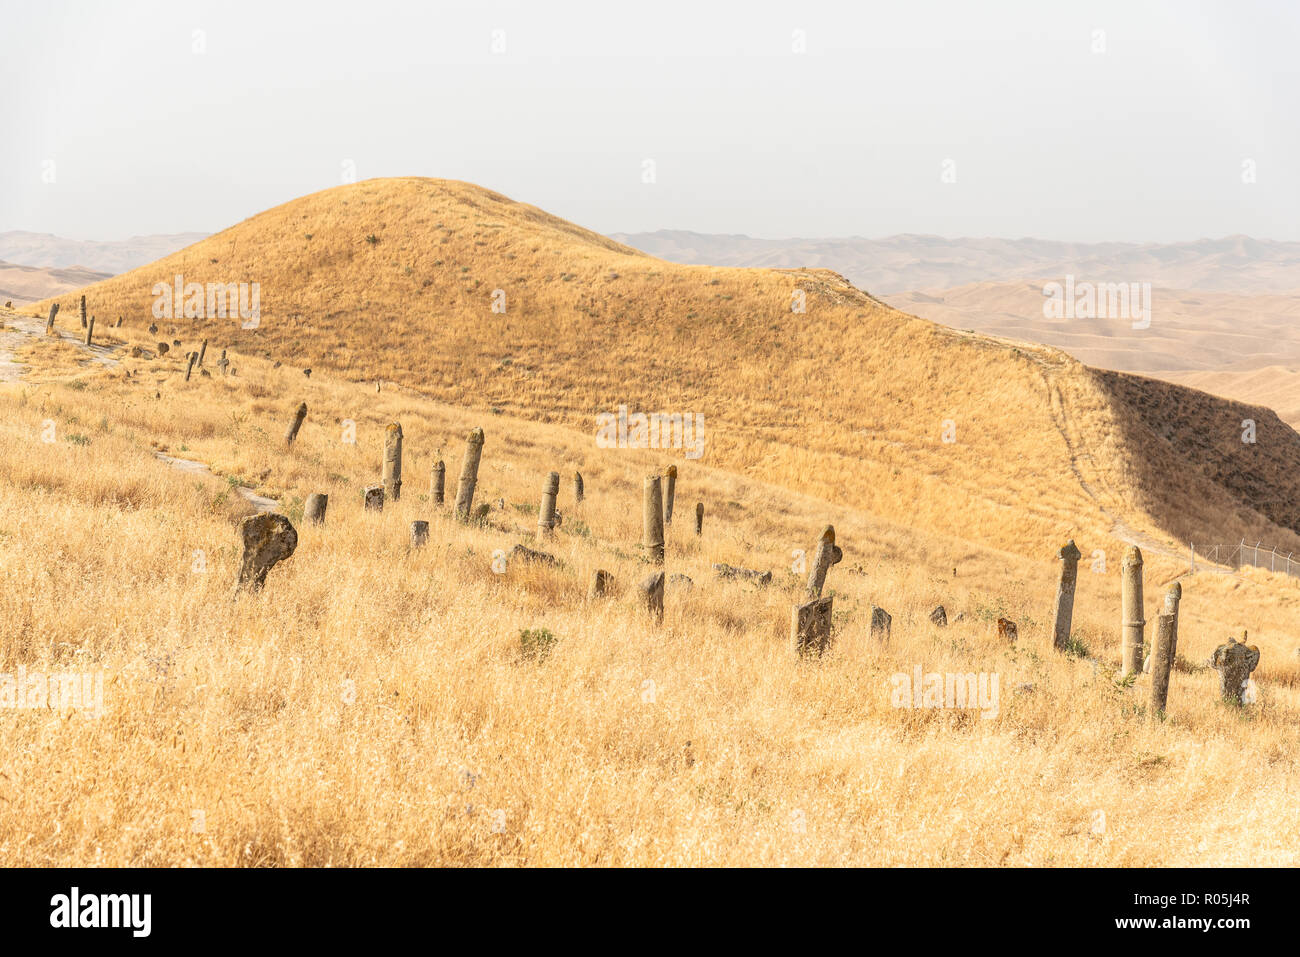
(847, 401)
(736, 753)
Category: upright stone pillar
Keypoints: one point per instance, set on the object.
(546, 518)
(653, 519)
(1064, 616)
(468, 475)
(1133, 624)
(393, 461)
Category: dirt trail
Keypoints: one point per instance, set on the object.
(19, 330)
(190, 467)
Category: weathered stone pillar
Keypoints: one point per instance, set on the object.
(299, 416)
(578, 488)
(652, 520)
(546, 518)
(314, 510)
(90, 330)
(468, 475)
(651, 595)
(601, 581)
(393, 461)
(1064, 615)
(419, 533)
(699, 518)
(374, 498)
(670, 492)
(1162, 662)
(203, 349)
(268, 538)
(49, 323)
(1172, 599)
(1133, 623)
(828, 553)
(810, 626)
(438, 482)
(189, 369)
(83, 312)
(1234, 662)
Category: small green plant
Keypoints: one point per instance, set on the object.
(372, 239)
(78, 439)
(1075, 648)
(536, 643)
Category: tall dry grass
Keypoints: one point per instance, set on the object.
(373, 706)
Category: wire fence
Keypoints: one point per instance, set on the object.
(1246, 554)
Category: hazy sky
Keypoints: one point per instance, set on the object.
(146, 126)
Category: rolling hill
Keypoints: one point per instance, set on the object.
(850, 400)
(905, 263)
(24, 284)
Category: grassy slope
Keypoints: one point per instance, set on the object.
(736, 754)
(847, 401)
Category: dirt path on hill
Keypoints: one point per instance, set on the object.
(19, 330)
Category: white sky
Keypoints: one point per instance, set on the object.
(1145, 141)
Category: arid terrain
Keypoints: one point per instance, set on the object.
(378, 703)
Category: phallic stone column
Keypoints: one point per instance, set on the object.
(419, 533)
(601, 581)
(393, 461)
(670, 492)
(1064, 615)
(90, 330)
(1161, 665)
(83, 312)
(299, 416)
(810, 627)
(546, 517)
(1234, 662)
(268, 539)
(827, 554)
(1133, 623)
(374, 498)
(651, 595)
(468, 475)
(438, 482)
(49, 323)
(577, 487)
(1172, 599)
(203, 349)
(699, 518)
(314, 509)
(189, 369)
(653, 519)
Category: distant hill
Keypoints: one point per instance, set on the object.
(112, 257)
(24, 284)
(803, 381)
(910, 262)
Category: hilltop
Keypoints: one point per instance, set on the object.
(849, 400)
